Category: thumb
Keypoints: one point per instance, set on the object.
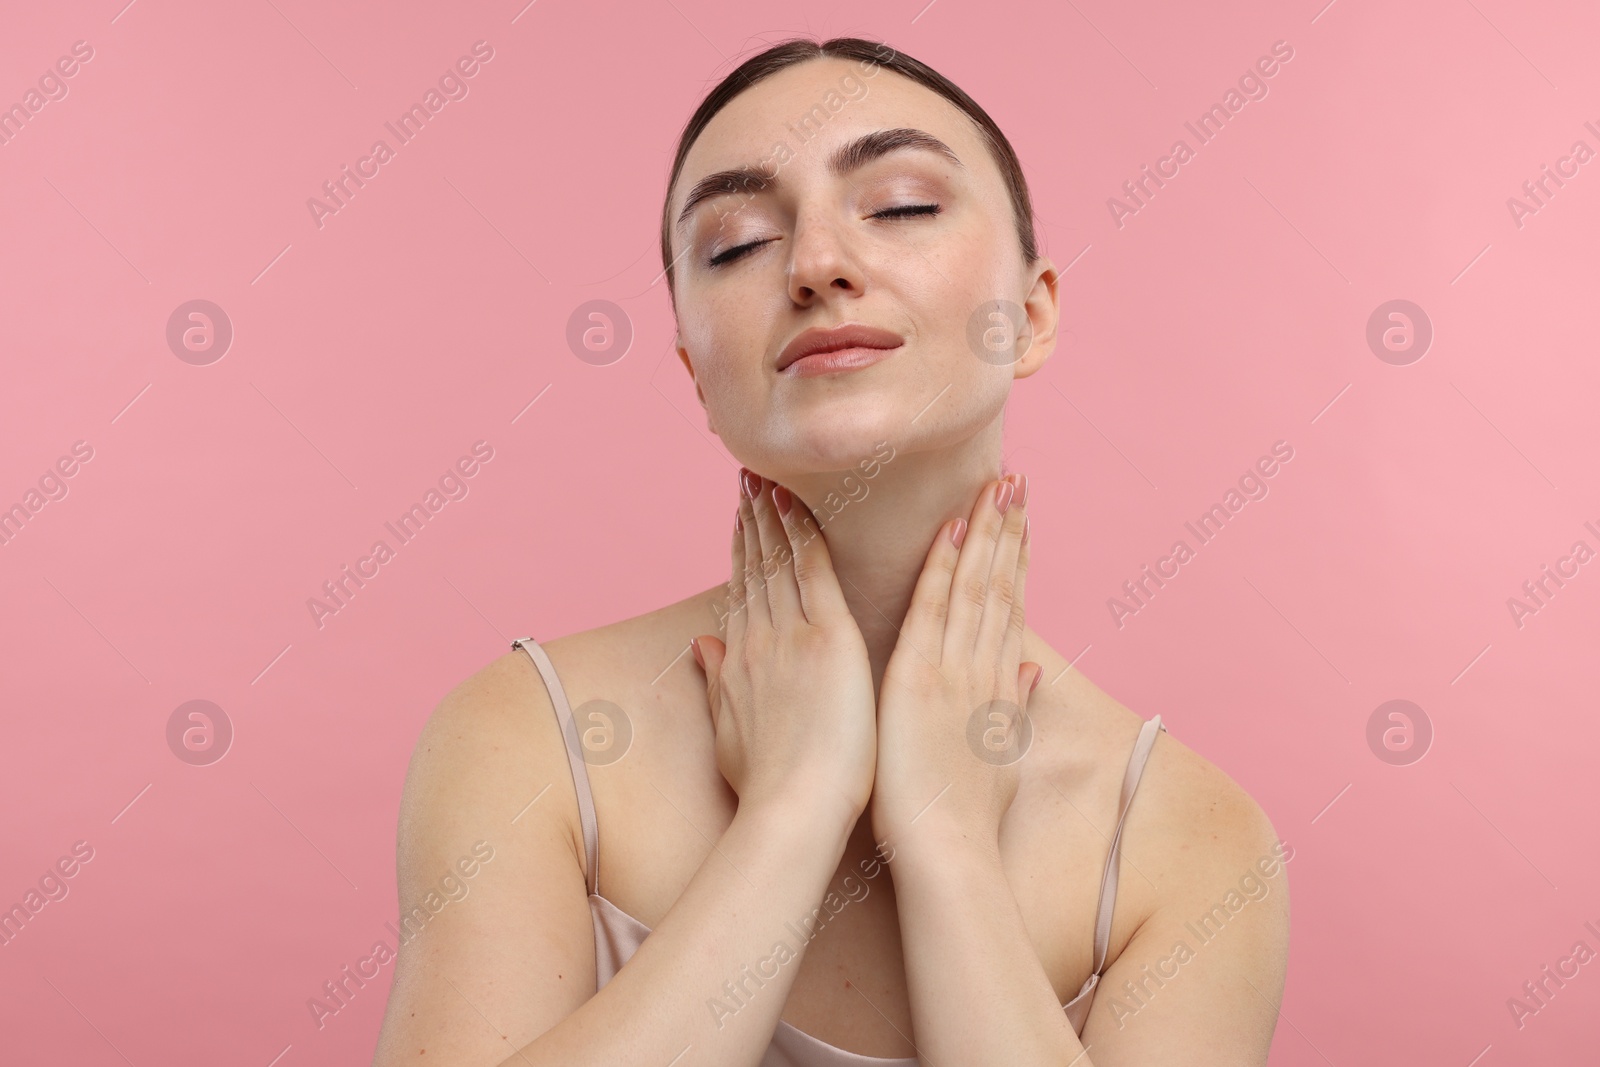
(1025, 685)
(709, 652)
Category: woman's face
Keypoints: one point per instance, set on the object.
(821, 253)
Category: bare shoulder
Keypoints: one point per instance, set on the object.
(1192, 832)
(1190, 815)
(1205, 876)
(488, 738)
(1192, 837)
(502, 715)
(1186, 807)
(494, 920)
(493, 743)
(1193, 803)
(496, 734)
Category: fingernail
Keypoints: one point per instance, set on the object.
(1025, 521)
(1036, 676)
(738, 521)
(780, 498)
(1022, 489)
(694, 645)
(958, 533)
(1002, 499)
(749, 482)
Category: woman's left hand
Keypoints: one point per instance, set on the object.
(952, 722)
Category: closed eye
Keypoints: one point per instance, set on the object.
(908, 210)
(902, 212)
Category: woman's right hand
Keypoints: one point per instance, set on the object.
(790, 685)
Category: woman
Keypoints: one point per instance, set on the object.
(853, 824)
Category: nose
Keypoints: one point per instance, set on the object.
(822, 262)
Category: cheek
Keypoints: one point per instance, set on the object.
(954, 319)
(723, 387)
(948, 286)
(727, 363)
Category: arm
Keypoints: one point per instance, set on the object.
(951, 732)
(1199, 982)
(979, 994)
(505, 975)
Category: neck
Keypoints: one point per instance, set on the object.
(879, 529)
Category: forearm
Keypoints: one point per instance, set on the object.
(978, 992)
(709, 983)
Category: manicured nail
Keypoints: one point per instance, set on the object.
(1025, 520)
(1022, 488)
(1002, 497)
(958, 532)
(781, 500)
(1036, 676)
(694, 646)
(749, 482)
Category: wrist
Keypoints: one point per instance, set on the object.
(936, 841)
(819, 819)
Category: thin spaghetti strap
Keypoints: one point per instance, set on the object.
(580, 772)
(1077, 1008)
(1108, 880)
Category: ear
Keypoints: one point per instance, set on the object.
(683, 354)
(1044, 316)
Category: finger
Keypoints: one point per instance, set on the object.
(710, 656)
(929, 610)
(969, 586)
(737, 617)
(1025, 684)
(777, 560)
(1012, 649)
(758, 615)
(1005, 583)
(820, 596)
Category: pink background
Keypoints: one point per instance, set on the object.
(369, 354)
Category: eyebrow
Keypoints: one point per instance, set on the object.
(848, 157)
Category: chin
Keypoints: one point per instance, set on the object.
(844, 436)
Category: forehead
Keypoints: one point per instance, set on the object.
(814, 106)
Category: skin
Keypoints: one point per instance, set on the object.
(982, 929)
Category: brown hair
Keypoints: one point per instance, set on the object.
(799, 50)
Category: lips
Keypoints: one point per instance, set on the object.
(837, 338)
